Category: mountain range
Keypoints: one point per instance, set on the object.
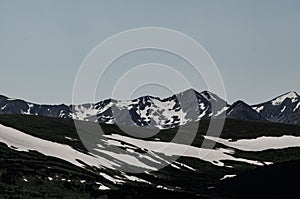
(149, 111)
(255, 156)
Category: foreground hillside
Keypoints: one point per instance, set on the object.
(43, 157)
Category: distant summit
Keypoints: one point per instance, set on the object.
(242, 111)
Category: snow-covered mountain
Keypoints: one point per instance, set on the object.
(282, 109)
(17, 106)
(149, 111)
(145, 111)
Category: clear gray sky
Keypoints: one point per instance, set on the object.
(254, 43)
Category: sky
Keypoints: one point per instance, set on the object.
(255, 44)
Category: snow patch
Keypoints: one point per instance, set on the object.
(136, 179)
(214, 156)
(103, 187)
(224, 109)
(165, 188)
(71, 139)
(227, 176)
(20, 141)
(282, 110)
(291, 95)
(261, 143)
(111, 179)
(259, 109)
(298, 105)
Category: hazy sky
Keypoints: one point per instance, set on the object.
(255, 44)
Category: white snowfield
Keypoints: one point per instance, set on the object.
(214, 156)
(261, 143)
(20, 141)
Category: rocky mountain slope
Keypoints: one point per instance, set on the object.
(282, 109)
(149, 111)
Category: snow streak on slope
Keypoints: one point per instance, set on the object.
(291, 95)
(261, 143)
(214, 156)
(20, 141)
(283, 109)
(23, 142)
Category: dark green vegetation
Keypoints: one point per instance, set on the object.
(25, 175)
(275, 181)
(66, 179)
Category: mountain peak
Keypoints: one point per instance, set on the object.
(290, 95)
(242, 111)
(188, 92)
(240, 102)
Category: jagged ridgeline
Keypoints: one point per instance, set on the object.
(149, 111)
